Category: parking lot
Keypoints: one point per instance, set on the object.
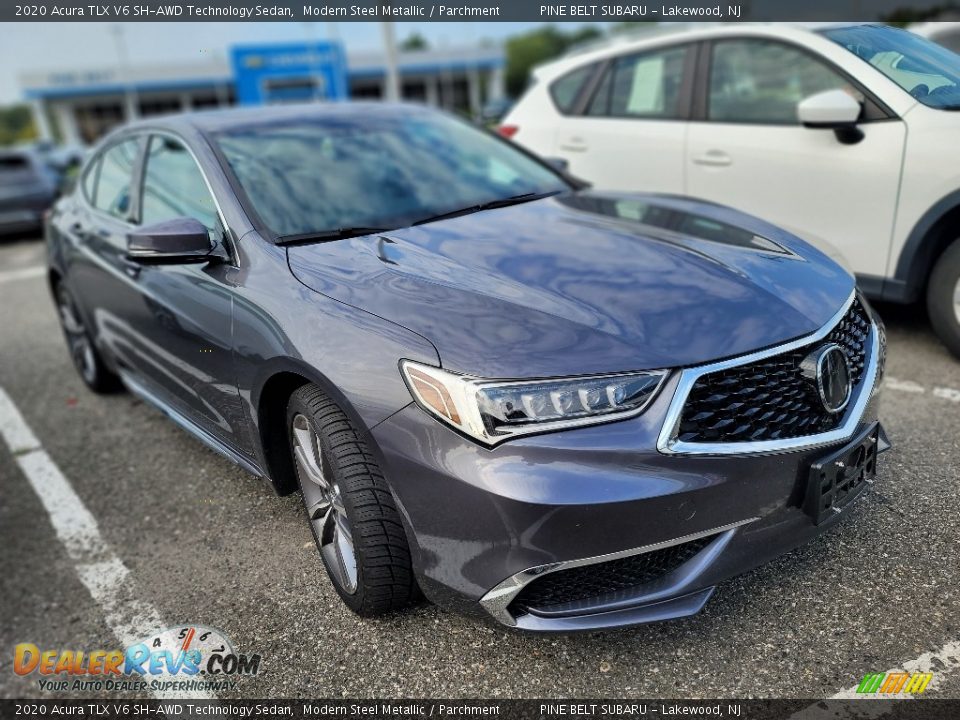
(206, 543)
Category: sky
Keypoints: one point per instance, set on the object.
(29, 47)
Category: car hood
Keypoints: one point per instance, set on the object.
(585, 283)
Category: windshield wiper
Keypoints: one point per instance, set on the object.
(327, 235)
(490, 205)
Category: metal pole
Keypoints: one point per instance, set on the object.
(130, 91)
(319, 87)
(392, 82)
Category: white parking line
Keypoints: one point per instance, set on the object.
(104, 575)
(26, 273)
(947, 394)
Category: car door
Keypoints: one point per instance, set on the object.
(747, 149)
(629, 132)
(183, 321)
(99, 274)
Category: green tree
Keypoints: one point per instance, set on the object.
(904, 16)
(537, 46)
(16, 125)
(416, 41)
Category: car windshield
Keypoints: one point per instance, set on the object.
(929, 72)
(375, 170)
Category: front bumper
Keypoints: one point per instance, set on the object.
(485, 524)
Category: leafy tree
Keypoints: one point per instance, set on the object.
(903, 16)
(537, 46)
(416, 41)
(16, 125)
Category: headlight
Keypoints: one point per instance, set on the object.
(492, 411)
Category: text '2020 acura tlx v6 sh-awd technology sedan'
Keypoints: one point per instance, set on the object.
(546, 406)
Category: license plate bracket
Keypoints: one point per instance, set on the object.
(839, 478)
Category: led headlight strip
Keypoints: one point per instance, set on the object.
(491, 411)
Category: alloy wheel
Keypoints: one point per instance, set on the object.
(324, 503)
(78, 341)
(956, 301)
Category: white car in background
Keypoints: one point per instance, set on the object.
(847, 135)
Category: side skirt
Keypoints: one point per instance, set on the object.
(212, 442)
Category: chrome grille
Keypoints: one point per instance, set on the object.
(770, 399)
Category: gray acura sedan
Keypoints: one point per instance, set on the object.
(555, 408)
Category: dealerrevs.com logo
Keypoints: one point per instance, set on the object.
(184, 658)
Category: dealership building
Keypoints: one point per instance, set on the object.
(83, 104)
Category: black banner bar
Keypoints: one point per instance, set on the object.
(456, 10)
(895, 709)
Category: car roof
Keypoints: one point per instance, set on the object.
(667, 33)
(217, 121)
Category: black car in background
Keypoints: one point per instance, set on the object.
(28, 186)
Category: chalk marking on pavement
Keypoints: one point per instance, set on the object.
(947, 394)
(106, 578)
(910, 386)
(26, 273)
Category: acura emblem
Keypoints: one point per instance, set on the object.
(829, 369)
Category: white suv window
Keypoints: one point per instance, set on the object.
(641, 86)
(566, 89)
(758, 81)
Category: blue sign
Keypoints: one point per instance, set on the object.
(289, 73)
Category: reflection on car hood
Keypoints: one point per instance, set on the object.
(585, 283)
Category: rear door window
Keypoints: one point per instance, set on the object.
(647, 85)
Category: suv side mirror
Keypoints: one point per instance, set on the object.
(180, 240)
(832, 110)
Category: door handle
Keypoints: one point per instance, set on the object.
(713, 158)
(131, 268)
(574, 144)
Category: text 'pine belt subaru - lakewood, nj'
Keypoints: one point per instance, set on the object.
(553, 408)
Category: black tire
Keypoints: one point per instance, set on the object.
(943, 298)
(83, 352)
(383, 578)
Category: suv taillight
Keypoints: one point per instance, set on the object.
(507, 131)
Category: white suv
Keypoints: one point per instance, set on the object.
(847, 135)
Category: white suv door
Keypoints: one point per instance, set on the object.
(749, 150)
(629, 134)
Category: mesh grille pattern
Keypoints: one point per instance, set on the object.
(593, 581)
(770, 399)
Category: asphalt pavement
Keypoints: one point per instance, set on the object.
(206, 543)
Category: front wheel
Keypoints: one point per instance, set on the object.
(351, 511)
(943, 298)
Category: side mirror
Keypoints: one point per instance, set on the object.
(832, 110)
(180, 240)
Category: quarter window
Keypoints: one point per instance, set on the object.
(758, 81)
(173, 186)
(642, 86)
(113, 181)
(566, 89)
